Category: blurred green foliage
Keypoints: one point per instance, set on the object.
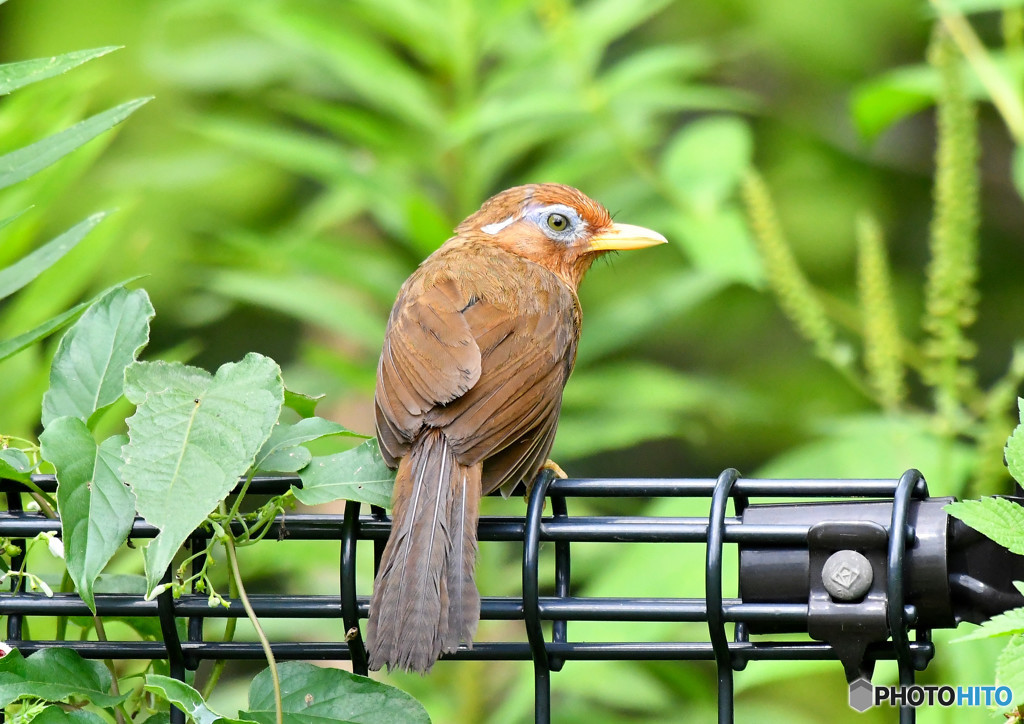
(302, 157)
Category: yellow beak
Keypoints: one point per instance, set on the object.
(625, 236)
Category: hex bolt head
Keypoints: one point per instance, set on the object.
(847, 576)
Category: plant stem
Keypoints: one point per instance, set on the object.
(1004, 96)
(229, 546)
(229, 635)
(101, 634)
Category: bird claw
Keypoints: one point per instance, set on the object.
(554, 467)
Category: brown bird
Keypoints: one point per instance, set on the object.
(478, 347)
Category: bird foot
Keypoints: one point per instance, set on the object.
(554, 467)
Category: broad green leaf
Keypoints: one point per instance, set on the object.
(357, 474)
(1011, 622)
(1013, 453)
(896, 444)
(1017, 170)
(981, 6)
(15, 464)
(23, 271)
(1000, 519)
(618, 325)
(96, 509)
(55, 674)
(11, 347)
(718, 242)
(191, 437)
(13, 217)
(301, 403)
(87, 372)
(19, 165)
(311, 694)
(283, 451)
(884, 100)
(1010, 668)
(599, 22)
(57, 715)
(21, 73)
(707, 158)
(185, 698)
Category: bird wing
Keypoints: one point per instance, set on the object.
(483, 360)
(430, 357)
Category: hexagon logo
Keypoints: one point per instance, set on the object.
(862, 694)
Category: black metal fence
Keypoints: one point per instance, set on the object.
(905, 566)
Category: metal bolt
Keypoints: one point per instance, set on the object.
(847, 575)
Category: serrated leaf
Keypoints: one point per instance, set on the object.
(1000, 519)
(311, 694)
(1011, 622)
(1010, 668)
(21, 73)
(15, 464)
(23, 271)
(96, 509)
(706, 159)
(55, 674)
(357, 474)
(11, 347)
(19, 165)
(302, 403)
(283, 451)
(185, 698)
(191, 437)
(87, 372)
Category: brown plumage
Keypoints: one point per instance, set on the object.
(478, 347)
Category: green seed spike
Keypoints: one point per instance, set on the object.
(795, 293)
(950, 293)
(883, 344)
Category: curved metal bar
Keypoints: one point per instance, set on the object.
(15, 620)
(910, 482)
(531, 598)
(713, 592)
(560, 627)
(349, 604)
(172, 643)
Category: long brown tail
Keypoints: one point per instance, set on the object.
(424, 598)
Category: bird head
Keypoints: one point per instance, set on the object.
(555, 226)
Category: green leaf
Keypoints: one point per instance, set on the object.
(15, 464)
(357, 474)
(896, 444)
(1011, 622)
(1017, 170)
(12, 346)
(96, 509)
(1013, 453)
(21, 73)
(303, 404)
(19, 165)
(23, 271)
(55, 674)
(718, 242)
(185, 698)
(191, 437)
(706, 159)
(884, 100)
(981, 6)
(1000, 519)
(87, 372)
(57, 715)
(283, 451)
(311, 694)
(1010, 668)
(618, 325)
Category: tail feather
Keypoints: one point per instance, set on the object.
(464, 599)
(424, 601)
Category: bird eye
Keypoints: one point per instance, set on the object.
(558, 222)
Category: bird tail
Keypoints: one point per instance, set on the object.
(425, 599)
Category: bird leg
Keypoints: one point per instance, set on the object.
(554, 467)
